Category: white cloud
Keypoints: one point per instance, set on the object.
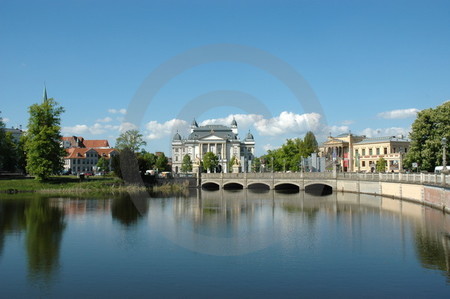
(105, 120)
(5, 120)
(288, 123)
(269, 146)
(157, 130)
(75, 130)
(116, 111)
(399, 114)
(347, 122)
(126, 126)
(393, 131)
(244, 120)
(96, 129)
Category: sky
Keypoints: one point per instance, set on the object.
(280, 68)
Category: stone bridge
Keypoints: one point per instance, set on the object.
(429, 189)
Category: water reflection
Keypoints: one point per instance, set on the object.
(44, 230)
(226, 224)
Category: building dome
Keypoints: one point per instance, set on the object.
(194, 123)
(176, 137)
(249, 136)
(234, 123)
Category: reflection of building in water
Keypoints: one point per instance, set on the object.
(74, 207)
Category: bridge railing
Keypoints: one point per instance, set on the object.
(415, 178)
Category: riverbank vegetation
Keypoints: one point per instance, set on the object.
(72, 185)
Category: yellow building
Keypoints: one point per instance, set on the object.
(358, 153)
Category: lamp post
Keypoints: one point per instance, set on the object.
(444, 160)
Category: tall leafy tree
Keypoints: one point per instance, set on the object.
(44, 152)
(289, 155)
(430, 126)
(103, 164)
(162, 163)
(210, 161)
(186, 166)
(310, 144)
(146, 161)
(131, 139)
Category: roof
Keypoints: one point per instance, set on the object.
(80, 142)
(176, 137)
(249, 136)
(217, 130)
(80, 153)
(96, 143)
(383, 139)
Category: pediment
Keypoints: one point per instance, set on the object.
(212, 137)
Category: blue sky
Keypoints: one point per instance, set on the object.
(369, 65)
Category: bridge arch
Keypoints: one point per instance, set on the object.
(258, 186)
(210, 186)
(233, 186)
(291, 187)
(318, 189)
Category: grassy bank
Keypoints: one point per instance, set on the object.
(72, 185)
(68, 185)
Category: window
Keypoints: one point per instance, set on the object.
(176, 158)
(385, 150)
(363, 151)
(378, 151)
(363, 163)
(370, 152)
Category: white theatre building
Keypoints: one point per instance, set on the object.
(221, 140)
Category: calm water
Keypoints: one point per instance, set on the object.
(223, 244)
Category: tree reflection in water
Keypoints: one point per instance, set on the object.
(433, 250)
(128, 210)
(44, 229)
(12, 218)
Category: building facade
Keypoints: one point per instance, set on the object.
(221, 140)
(83, 155)
(359, 153)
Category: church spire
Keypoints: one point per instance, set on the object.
(44, 97)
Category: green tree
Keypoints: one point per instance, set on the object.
(310, 144)
(8, 153)
(430, 126)
(131, 139)
(115, 166)
(21, 154)
(103, 164)
(8, 149)
(146, 161)
(186, 166)
(256, 165)
(210, 161)
(381, 165)
(162, 163)
(44, 152)
(231, 163)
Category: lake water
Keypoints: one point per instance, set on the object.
(223, 244)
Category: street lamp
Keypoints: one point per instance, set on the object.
(444, 160)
